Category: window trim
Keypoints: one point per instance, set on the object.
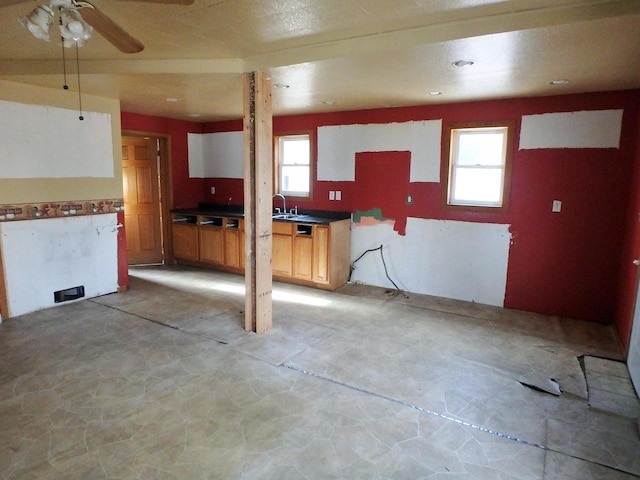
(446, 165)
(276, 162)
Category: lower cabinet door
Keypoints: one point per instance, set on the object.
(320, 254)
(185, 242)
(231, 247)
(282, 254)
(302, 256)
(211, 245)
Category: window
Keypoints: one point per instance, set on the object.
(293, 170)
(478, 165)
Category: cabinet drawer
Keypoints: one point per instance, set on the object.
(283, 228)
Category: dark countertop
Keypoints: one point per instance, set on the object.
(320, 217)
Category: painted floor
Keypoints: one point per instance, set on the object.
(162, 382)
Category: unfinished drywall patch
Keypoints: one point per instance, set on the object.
(451, 259)
(338, 145)
(49, 142)
(44, 256)
(216, 155)
(584, 129)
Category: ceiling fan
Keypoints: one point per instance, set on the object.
(78, 19)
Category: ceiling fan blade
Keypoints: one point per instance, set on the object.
(110, 30)
(6, 3)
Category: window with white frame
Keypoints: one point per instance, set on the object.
(479, 165)
(293, 154)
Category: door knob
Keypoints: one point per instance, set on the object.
(636, 262)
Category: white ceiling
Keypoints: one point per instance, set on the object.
(358, 54)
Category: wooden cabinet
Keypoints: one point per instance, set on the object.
(211, 240)
(211, 245)
(320, 255)
(282, 256)
(232, 242)
(305, 253)
(185, 238)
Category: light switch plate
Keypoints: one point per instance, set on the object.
(332, 195)
(557, 206)
(338, 195)
(213, 190)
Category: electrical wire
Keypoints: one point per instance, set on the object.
(352, 267)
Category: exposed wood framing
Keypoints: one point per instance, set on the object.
(258, 188)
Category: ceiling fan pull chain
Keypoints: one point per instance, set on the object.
(81, 117)
(64, 62)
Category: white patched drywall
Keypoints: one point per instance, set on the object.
(49, 142)
(337, 146)
(460, 260)
(48, 255)
(583, 129)
(216, 155)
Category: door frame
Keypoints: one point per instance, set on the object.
(166, 186)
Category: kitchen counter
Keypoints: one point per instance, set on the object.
(310, 248)
(317, 217)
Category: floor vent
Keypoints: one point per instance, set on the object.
(68, 294)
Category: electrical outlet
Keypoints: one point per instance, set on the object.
(213, 190)
(409, 199)
(338, 195)
(332, 195)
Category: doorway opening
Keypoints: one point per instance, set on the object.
(146, 192)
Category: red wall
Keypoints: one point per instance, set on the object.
(187, 192)
(569, 264)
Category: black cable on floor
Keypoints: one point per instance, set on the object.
(384, 264)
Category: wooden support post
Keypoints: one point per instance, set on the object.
(258, 188)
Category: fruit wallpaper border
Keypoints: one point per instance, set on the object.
(70, 208)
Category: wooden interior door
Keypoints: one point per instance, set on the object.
(141, 200)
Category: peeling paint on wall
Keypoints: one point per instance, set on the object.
(371, 217)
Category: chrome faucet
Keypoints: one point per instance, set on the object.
(284, 202)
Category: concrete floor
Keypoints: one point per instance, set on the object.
(161, 382)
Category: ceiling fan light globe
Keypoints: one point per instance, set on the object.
(73, 27)
(76, 27)
(38, 22)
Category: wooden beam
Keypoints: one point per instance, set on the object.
(258, 189)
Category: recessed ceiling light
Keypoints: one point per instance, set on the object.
(558, 82)
(330, 102)
(434, 93)
(280, 85)
(463, 63)
(172, 100)
(194, 115)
